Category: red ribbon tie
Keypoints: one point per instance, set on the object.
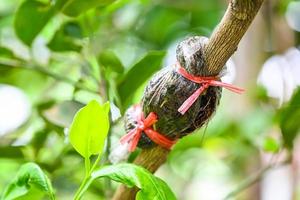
(145, 125)
(206, 82)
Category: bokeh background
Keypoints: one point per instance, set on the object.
(53, 61)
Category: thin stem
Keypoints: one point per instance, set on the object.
(87, 164)
(95, 163)
(87, 179)
(108, 186)
(45, 71)
(254, 179)
(79, 192)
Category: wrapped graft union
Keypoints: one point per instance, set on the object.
(168, 90)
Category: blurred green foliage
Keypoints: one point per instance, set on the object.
(30, 177)
(64, 53)
(289, 116)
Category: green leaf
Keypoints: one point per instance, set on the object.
(65, 39)
(74, 8)
(31, 18)
(89, 128)
(30, 176)
(4, 52)
(139, 73)
(73, 29)
(151, 187)
(109, 59)
(289, 119)
(271, 145)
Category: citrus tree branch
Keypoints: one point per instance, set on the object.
(222, 44)
(227, 35)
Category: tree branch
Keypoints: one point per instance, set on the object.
(226, 37)
(222, 44)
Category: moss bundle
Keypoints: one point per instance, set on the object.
(168, 89)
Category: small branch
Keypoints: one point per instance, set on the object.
(255, 178)
(45, 71)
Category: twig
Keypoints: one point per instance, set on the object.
(254, 179)
(45, 71)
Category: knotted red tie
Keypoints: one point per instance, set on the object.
(206, 82)
(144, 125)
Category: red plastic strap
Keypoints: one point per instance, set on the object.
(144, 125)
(206, 82)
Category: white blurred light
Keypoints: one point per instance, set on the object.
(280, 75)
(119, 153)
(277, 184)
(293, 58)
(9, 40)
(208, 189)
(14, 108)
(170, 58)
(126, 16)
(273, 76)
(293, 15)
(40, 51)
(230, 72)
(115, 112)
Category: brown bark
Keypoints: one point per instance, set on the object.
(226, 37)
(222, 44)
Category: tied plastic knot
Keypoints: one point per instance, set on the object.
(145, 125)
(206, 82)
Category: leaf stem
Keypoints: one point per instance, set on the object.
(87, 178)
(95, 163)
(79, 192)
(87, 164)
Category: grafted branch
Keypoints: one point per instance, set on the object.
(222, 44)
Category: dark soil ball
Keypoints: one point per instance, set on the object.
(167, 90)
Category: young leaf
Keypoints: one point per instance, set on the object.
(30, 176)
(89, 129)
(139, 73)
(74, 8)
(109, 59)
(289, 119)
(65, 38)
(31, 18)
(151, 187)
(271, 145)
